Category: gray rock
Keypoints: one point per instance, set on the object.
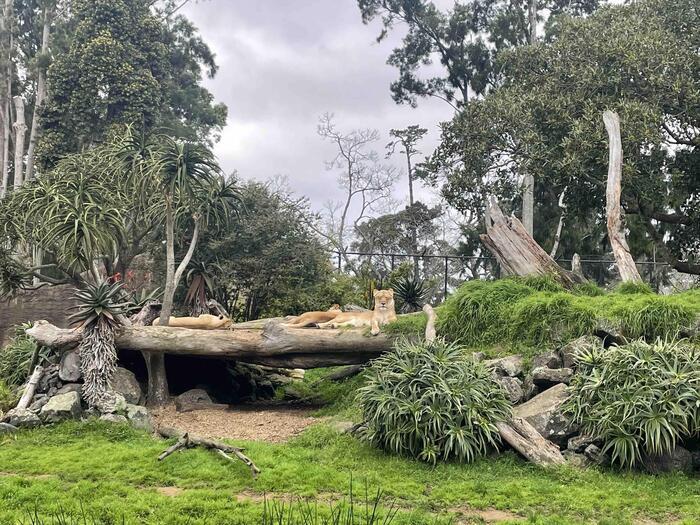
(279, 379)
(22, 418)
(511, 365)
(576, 459)
(514, 388)
(596, 455)
(112, 404)
(192, 399)
(478, 356)
(568, 352)
(139, 417)
(6, 428)
(48, 379)
(38, 404)
(61, 407)
(113, 418)
(530, 390)
(544, 413)
(547, 360)
(677, 460)
(70, 387)
(579, 443)
(546, 377)
(125, 383)
(69, 367)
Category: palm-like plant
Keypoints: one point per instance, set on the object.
(98, 312)
(410, 294)
(200, 287)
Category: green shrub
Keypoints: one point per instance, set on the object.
(16, 357)
(589, 289)
(432, 403)
(652, 316)
(630, 288)
(8, 397)
(639, 398)
(540, 283)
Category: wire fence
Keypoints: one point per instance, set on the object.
(444, 273)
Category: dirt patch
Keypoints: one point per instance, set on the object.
(26, 476)
(273, 424)
(171, 492)
(471, 515)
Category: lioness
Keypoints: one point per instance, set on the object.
(203, 322)
(384, 312)
(311, 318)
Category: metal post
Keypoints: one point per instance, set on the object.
(392, 262)
(339, 263)
(446, 270)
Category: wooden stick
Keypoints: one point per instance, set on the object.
(30, 387)
(181, 443)
(430, 333)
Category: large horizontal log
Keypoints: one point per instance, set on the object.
(274, 345)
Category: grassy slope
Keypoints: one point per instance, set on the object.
(111, 471)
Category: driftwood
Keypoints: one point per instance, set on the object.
(524, 438)
(186, 440)
(273, 346)
(430, 333)
(613, 210)
(30, 387)
(517, 252)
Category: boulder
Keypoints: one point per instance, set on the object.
(530, 390)
(544, 413)
(70, 387)
(576, 459)
(513, 386)
(596, 455)
(39, 403)
(69, 366)
(569, 350)
(677, 460)
(511, 365)
(579, 443)
(61, 407)
(546, 377)
(125, 383)
(22, 418)
(139, 417)
(196, 399)
(48, 379)
(112, 404)
(6, 428)
(113, 418)
(547, 360)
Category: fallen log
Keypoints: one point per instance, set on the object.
(517, 252)
(187, 440)
(524, 438)
(273, 346)
(30, 387)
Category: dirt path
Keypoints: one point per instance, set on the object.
(273, 424)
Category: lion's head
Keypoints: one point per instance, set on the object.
(384, 300)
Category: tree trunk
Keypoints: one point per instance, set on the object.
(524, 438)
(30, 388)
(41, 91)
(613, 210)
(6, 91)
(529, 204)
(20, 128)
(517, 252)
(560, 226)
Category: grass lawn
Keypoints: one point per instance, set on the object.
(111, 472)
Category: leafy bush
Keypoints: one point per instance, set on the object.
(432, 403)
(8, 397)
(652, 316)
(16, 357)
(639, 398)
(630, 288)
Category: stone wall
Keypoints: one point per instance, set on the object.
(52, 303)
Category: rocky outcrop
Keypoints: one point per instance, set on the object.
(677, 460)
(61, 407)
(568, 352)
(125, 383)
(511, 365)
(545, 414)
(22, 418)
(513, 387)
(546, 377)
(69, 366)
(139, 417)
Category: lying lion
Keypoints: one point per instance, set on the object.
(312, 318)
(384, 312)
(203, 322)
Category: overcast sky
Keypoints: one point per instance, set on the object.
(282, 64)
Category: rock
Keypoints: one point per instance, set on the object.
(547, 360)
(609, 333)
(576, 459)
(677, 460)
(112, 404)
(579, 443)
(514, 388)
(192, 400)
(696, 459)
(70, 387)
(48, 380)
(546, 377)
(69, 366)
(511, 365)
(6, 428)
(125, 383)
(279, 379)
(478, 356)
(568, 351)
(291, 393)
(297, 374)
(113, 418)
(596, 455)
(530, 390)
(39, 403)
(544, 413)
(22, 418)
(61, 407)
(139, 417)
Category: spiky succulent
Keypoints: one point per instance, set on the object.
(99, 301)
(410, 294)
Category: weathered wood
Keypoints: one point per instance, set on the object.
(30, 387)
(272, 346)
(517, 252)
(187, 440)
(613, 210)
(430, 333)
(524, 438)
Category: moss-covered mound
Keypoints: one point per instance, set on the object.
(537, 311)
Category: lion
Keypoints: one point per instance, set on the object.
(384, 312)
(312, 318)
(203, 322)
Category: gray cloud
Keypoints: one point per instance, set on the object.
(282, 65)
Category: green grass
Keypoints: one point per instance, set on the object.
(112, 472)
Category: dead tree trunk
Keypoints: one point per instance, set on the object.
(524, 438)
(613, 210)
(20, 127)
(517, 252)
(30, 388)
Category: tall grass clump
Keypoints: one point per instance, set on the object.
(639, 399)
(632, 288)
(432, 402)
(651, 316)
(17, 356)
